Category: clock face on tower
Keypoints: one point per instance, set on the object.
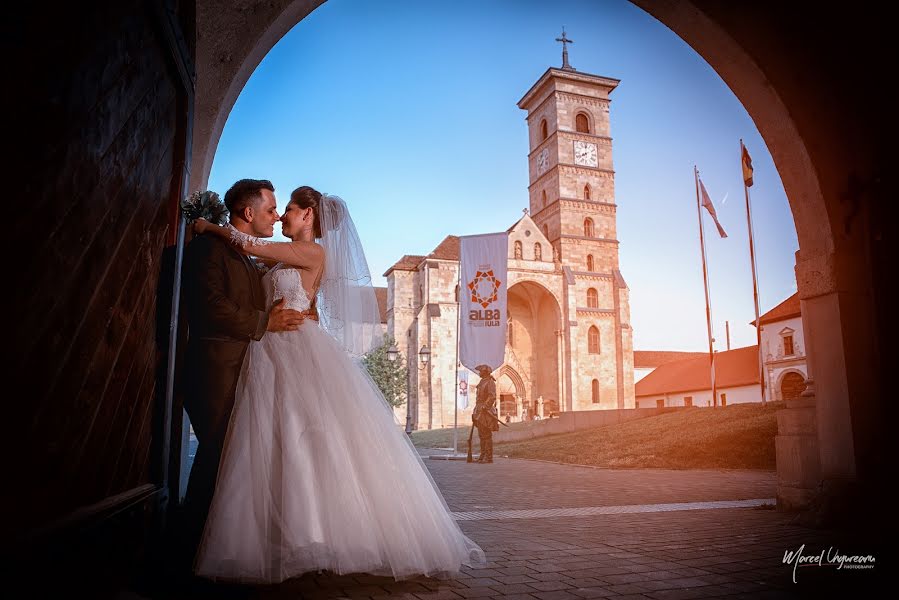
(542, 161)
(585, 154)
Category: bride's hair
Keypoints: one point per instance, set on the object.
(308, 197)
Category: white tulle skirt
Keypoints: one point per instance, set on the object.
(317, 475)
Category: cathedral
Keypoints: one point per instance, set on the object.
(569, 340)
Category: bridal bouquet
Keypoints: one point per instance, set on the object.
(206, 205)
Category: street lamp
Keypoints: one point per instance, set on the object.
(392, 353)
(424, 358)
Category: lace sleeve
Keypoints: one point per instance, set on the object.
(243, 240)
(306, 255)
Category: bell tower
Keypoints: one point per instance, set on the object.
(572, 200)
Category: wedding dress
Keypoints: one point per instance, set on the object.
(316, 474)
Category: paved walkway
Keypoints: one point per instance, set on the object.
(560, 532)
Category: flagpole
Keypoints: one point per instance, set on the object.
(755, 285)
(705, 279)
(456, 362)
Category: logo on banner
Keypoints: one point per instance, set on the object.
(484, 288)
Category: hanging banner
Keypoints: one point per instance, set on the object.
(462, 389)
(483, 260)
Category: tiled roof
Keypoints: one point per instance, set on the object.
(381, 295)
(408, 263)
(787, 309)
(732, 368)
(654, 358)
(448, 249)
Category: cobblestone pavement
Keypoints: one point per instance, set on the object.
(646, 533)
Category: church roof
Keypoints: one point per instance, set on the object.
(409, 262)
(448, 249)
(732, 368)
(787, 309)
(381, 295)
(654, 358)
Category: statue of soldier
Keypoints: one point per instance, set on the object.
(484, 414)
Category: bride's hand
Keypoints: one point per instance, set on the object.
(201, 225)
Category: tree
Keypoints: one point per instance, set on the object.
(391, 377)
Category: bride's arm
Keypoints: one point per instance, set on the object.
(306, 255)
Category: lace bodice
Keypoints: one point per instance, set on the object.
(284, 282)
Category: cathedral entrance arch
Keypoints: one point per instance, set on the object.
(534, 348)
(510, 389)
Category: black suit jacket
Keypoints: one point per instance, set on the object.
(226, 308)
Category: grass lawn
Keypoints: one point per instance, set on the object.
(740, 436)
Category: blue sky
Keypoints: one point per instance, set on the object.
(407, 110)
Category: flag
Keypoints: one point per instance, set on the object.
(707, 202)
(462, 388)
(747, 168)
(482, 336)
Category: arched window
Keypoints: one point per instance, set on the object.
(590, 262)
(511, 335)
(588, 227)
(538, 251)
(587, 192)
(544, 130)
(595, 391)
(517, 249)
(592, 298)
(593, 340)
(543, 194)
(581, 123)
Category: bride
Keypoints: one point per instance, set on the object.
(315, 474)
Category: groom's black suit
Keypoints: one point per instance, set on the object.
(226, 308)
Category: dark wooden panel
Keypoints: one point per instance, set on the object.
(106, 118)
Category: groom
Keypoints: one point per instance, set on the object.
(225, 308)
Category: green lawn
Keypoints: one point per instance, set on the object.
(740, 436)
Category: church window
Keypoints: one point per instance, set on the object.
(587, 192)
(544, 130)
(543, 194)
(595, 391)
(593, 340)
(581, 124)
(788, 345)
(511, 335)
(517, 249)
(592, 298)
(538, 251)
(588, 227)
(590, 262)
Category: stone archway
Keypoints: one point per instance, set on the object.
(510, 392)
(791, 385)
(829, 150)
(533, 350)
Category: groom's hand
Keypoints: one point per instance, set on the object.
(284, 319)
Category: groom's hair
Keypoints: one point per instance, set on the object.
(246, 192)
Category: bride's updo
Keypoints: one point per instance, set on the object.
(330, 211)
(308, 197)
